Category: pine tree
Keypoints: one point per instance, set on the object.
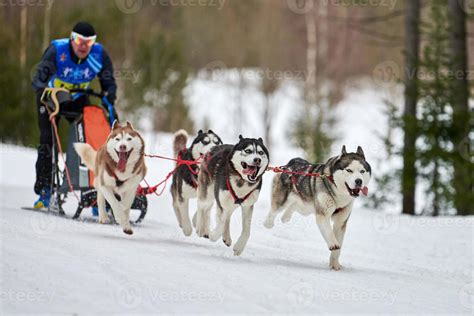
(435, 112)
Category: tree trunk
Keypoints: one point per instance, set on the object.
(23, 51)
(463, 175)
(47, 24)
(412, 44)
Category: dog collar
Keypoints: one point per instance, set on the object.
(237, 200)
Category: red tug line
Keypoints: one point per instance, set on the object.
(189, 163)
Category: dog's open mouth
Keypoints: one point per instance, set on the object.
(123, 158)
(250, 171)
(356, 191)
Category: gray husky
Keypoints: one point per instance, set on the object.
(330, 195)
(231, 175)
(184, 184)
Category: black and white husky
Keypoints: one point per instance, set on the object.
(231, 175)
(184, 184)
(329, 196)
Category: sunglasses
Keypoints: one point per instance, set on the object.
(80, 39)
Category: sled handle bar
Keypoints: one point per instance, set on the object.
(54, 97)
(54, 91)
(102, 96)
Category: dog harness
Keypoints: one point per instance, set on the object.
(193, 168)
(237, 200)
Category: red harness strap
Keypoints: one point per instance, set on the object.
(118, 182)
(194, 183)
(237, 200)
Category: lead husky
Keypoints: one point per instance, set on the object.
(232, 176)
(119, 167)
(329, 196)
(184, 184)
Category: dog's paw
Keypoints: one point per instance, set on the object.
(269, 223)
(202, 233)
(128, 231)
(187, 231)
(213, 236)
(335, 265)
(227, 241)
(334, 246)
(238, 249)
(103, 220)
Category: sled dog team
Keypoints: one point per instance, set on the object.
(229, 176)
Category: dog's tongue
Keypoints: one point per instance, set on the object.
(122, 163)
(250, 170)
(365, 191)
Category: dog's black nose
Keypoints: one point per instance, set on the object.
(123, 147)
(358, 182)
(257, 160)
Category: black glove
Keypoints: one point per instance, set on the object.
(114, 112)
(111, 98)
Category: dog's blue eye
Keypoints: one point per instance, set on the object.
(362, 171)
(248, 151)
(349, 170)
(260, 153)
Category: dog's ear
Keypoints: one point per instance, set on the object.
(200, 132)
(360, 152)
(241, 137)
(343, 151)
(260, 140)
(129, 125)
(115, 124)
(210, 132)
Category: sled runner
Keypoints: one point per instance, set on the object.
(92, 127)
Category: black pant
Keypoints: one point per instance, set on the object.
(44, 160)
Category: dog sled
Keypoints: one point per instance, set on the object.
(92, 127)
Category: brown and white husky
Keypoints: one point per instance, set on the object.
(119, 167)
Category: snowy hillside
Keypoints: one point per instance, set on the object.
(392, 263)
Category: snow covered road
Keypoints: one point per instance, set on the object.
(391, 264)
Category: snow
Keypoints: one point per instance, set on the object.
(391, 263)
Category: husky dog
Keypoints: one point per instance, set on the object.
(184, 186)
(119, 167)
(232, 176)
(331, 195)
